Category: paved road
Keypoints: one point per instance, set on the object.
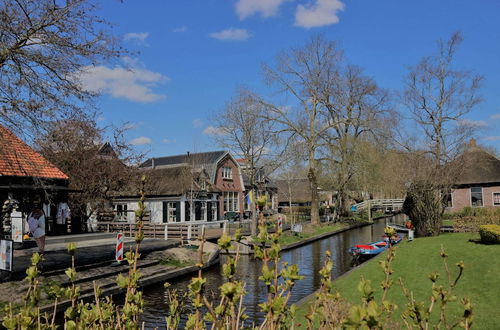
(88, 253)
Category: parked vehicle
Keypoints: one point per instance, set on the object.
(232, 216)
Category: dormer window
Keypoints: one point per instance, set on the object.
(227, 173)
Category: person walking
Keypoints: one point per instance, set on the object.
(36, 224)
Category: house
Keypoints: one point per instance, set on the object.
(27, 177)
(177, 193)
(297, 192)
(478, 184)
(264, 186)
(189, 187)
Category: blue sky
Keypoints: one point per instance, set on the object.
(189, 56)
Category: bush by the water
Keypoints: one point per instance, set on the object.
(490, 234)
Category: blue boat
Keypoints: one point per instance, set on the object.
(372, 249)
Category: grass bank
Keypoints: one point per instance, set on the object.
(310, 231)
(415, 260)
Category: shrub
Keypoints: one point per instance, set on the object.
(490, 234)
(470, 219)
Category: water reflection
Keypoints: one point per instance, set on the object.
(310, 259)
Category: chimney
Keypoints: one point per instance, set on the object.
(472, 143)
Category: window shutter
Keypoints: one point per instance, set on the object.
(165, 211)
(178, 211)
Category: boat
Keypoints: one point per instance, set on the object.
(398, 228)
(373, 249)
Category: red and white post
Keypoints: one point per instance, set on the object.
(119, 247)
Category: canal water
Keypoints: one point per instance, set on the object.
(310, 259)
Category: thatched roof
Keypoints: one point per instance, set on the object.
(202, 160)
(478, 167)
(170, 181)
(299, 188)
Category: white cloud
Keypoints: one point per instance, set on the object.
(492, 138)
(130, 126)
(134, 84)
(319, 13)
(180, 29)
(140, 141)
(197, 123)
(231, 34)
(138, 37)
(212, 130)
(472, 123)
(167, 141)
(266, 8)
(495, 116)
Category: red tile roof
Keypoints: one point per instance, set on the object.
(19, 159)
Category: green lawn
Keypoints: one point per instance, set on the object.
(289, 237)
(415, 260)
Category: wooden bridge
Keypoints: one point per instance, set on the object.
(394, 204)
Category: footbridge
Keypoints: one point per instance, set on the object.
(393, 204)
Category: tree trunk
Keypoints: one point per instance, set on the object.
(255, 221)
(313, 184)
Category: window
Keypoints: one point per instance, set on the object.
(496, 198)
(448, 200)
(203, 211)
(476, 196)
(121, 212)
(231, 201)
(213, 210)
(227, 173)
(172, 211)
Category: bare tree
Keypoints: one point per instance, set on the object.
(357, 111)
(304, 74)
(98, 168)
(244, 131)
(439, 96)
(43, 46)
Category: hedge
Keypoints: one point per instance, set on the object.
(490, 234)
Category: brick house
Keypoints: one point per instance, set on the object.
(479, 182)
(189, 187)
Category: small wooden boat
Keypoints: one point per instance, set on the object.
(368, 250)
(398, 228)
(372, 249)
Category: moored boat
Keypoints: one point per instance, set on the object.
(373, 249)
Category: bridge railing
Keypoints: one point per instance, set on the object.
(395, 203)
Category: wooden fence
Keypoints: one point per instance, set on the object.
(174, 230)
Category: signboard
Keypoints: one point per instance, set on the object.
(119, 247)
(6, 254)
(297, 228)
(17, 224)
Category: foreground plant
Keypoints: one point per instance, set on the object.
(418, 314)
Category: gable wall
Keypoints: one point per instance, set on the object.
(233, 184)
(461, 197)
